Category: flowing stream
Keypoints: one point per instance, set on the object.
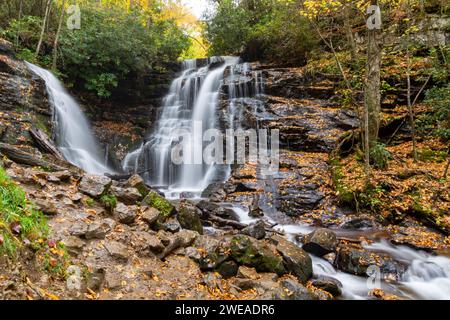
(194, 96)
(71, 130)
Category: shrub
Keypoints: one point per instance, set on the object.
(379, 155)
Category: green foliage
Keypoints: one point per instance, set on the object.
(432, 155)
(276, 28)
(109, 201)
(379, 155)
(113, 44)
(437, 122)
(157, 201)
(19, 221)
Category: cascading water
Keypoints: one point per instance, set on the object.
(72, 133)
(190, 105)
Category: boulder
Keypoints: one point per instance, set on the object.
(227, 269)
(94, 185)
(356, 260)
(146, 242)
(292, 290)
(128, 196)
(135, 181)
(157, 201)
(256, 253)
(117, 250)
(247, 273)
(150, 215)
(256, 230)
(328, 284)
(46, 206)
(320, 242)
(99, 229)
(172, 225)
(187, 237)
(189, 217)
(295, 259)
(125, 214)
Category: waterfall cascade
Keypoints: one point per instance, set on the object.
(192, 99)
(71, 130)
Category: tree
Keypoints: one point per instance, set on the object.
(58, 32)
(44, 23)
(372, 93)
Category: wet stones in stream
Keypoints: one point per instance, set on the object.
(354, 259)
(320, 242)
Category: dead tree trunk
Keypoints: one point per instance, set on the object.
(23, 157)
(44, 143)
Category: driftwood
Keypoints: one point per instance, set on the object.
(23, 157)
(44, 143)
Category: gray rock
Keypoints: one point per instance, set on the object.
(117, 250)
(171, 225)
(113, 280)
(74, 244)
(193, 253)
(356, 260)
(125, 214)
(295, 291)
(328, 284)
(145, 242)
(99, 229)
(79, 229)
(320, 242)
(187, 237)
(46, 206)
(256, 230)
(135, 181)
(129, 196)
(228, 269)
(296, 260)
(150, 215)
(256, 253)
(94, 185)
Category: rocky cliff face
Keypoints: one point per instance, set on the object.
(23, 100)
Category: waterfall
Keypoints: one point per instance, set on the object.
(71, 130)
(192, 99)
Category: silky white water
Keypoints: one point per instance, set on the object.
(427, 276)
(71, 129)
(192, 99)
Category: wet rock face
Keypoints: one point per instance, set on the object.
(356, 260)
(23, 100)
(94, 185)
(189, 217)
(258, 254)
(295, 259)
(328, 284)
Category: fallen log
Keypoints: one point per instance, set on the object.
(225, 222)
(19, 156)
(44, 143)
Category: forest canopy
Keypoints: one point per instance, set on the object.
(115, 38)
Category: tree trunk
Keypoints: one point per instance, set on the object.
(349, 32)
(410, 107)
(19, 156)
(41, 38)
(372, 94)
(55, 44)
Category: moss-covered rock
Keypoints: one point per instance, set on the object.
(258, 254)
(155, 200)
(189, 217)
